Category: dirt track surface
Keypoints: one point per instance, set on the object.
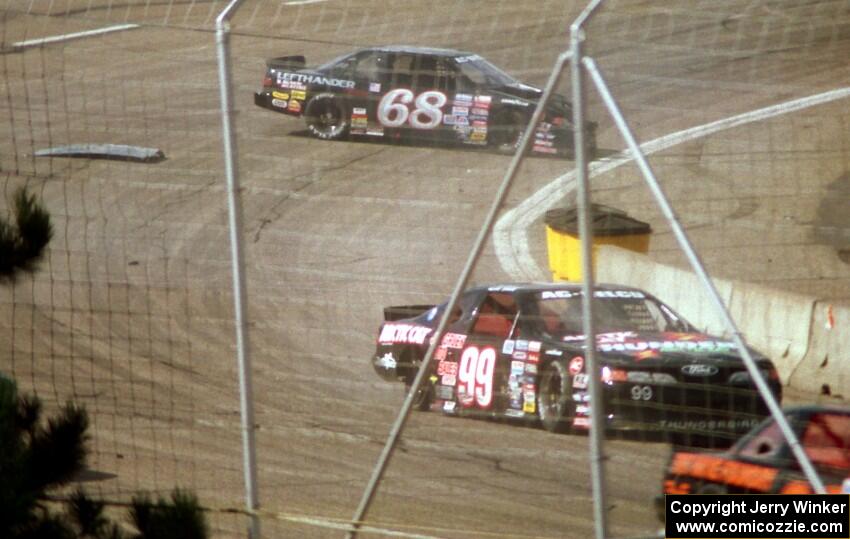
(131, 314)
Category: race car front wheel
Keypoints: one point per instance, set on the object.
(555, 406)
(326, 118)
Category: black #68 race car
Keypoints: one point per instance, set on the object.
(518, 351)
(418, 93)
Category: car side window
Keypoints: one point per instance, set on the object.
(373, 67)
(826, 440)
(403, 70)
(497, 316)
(766, 444)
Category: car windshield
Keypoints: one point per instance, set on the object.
(482, 72)
(560, 313)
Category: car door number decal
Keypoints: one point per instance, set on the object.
(475, 376)
(393, 108)
(641, 393)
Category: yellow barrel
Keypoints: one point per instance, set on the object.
(610, 227)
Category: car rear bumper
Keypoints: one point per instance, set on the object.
(720, 412)
(265, 99)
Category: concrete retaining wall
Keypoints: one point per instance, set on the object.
(827, 361)
(790, 328)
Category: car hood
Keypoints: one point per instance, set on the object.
(666, 347)
(530, 94)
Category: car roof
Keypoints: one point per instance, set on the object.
(815, 408)
(419, 50)
(542, 287)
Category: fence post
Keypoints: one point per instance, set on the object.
(585, 220)
(240, 296)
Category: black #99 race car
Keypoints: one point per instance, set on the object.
(417, 93)
(518, 351)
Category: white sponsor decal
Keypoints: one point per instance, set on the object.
(469, 58)
(706, 346)
(565, 294)
(403, 333)
(305, 78)
(387, 361)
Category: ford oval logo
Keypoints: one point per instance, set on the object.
(697, 369)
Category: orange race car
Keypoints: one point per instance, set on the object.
(762, 462)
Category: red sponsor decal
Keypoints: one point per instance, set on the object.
(453, 340)
(447, 367)
(576, 365)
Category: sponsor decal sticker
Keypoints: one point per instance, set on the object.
(403, 333)
(454, 340)
(580, 381)
(534, 357)
(299, 94)
(530, 368)
(375, 87)
(565, 294)
(448, 380)
(295, 106)
(280, 103)
(307, 78)
(280, 95)
(445, 392)
(517, 367)
(387, 361)
(700, 346)
(519, 354)
(447, 367)
(576, 365)
(508, 347)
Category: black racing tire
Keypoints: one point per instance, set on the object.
(555, 406)
(326, 117)
(506, 130)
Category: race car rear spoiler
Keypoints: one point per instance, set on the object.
(399, 312)
(287, 62)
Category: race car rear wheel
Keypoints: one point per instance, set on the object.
(506, 130)
(326, 117)
(555, 406)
